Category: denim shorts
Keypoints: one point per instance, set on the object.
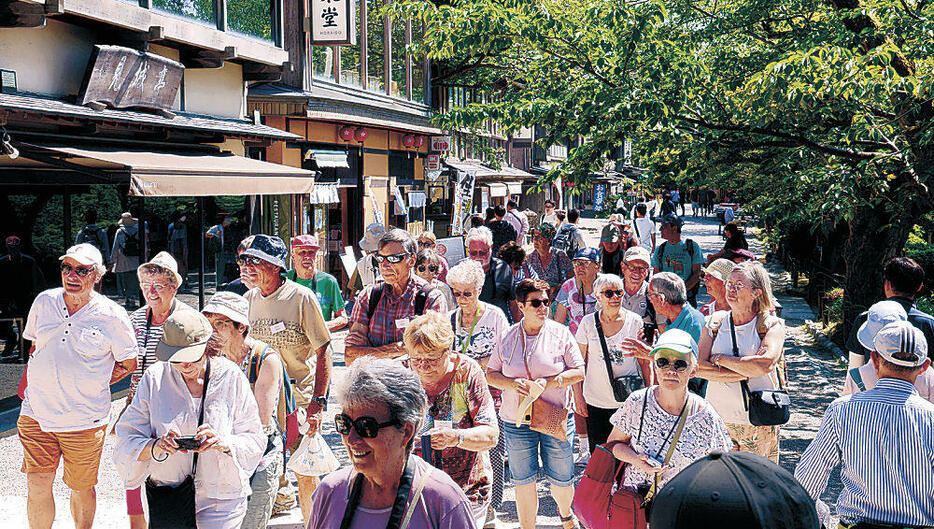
(524, 447)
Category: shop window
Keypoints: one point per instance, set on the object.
(418, 64)
(398, 86)
(402, 166)
(200, 10)
(322, 62)
(375, 50)
(350, 58)
(251, 17)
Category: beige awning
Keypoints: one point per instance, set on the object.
(515, 188)
(497, 190)
(174, 174)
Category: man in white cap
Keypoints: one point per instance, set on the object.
(83, 343)
(635, 271)
(882, 439)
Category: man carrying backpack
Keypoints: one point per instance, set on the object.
(126, 252)
(94, 235)
(683, 257)
(569, 238)
(382, 310)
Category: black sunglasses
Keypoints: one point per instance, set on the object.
(393, 259)
(431, 268)
(251, 259)
(366, 427)
(613, 293)
(537, 302)
(82, 271)
(678, 365)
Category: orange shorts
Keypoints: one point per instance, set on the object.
(43, 450)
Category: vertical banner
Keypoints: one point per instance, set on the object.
(377, 213)
(332, 22)
(463, 200)
(599, 196)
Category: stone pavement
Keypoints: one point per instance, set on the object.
(815, 380)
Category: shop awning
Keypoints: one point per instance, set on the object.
(328, 158)
(416, 199)
(515, 188)
(324, 194)
(497, 190)
(484, 171)
(168, 174)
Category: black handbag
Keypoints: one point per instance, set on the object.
(173, 506)
(768, 407)
(622, 385)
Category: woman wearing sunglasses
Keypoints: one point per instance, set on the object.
(551, 265)
(595, 398)
(538, 353)
(427, 267)
(461, 422)
(427, 241)
(752, 356)
(662, 429)
(383, 405)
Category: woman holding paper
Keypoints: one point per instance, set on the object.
(461, 422)
(535, 367)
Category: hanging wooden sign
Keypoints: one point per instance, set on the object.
(127, 78)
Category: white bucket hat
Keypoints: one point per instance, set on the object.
(166, 261)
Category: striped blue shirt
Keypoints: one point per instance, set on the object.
(884, 441)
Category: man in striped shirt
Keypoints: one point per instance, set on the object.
(883, 439)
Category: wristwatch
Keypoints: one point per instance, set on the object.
(460, 438)
(320, 401)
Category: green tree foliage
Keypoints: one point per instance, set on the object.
(819, 112)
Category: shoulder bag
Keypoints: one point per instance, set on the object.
(547, 418)
(173, 506)
(768, 407)
(622, 385)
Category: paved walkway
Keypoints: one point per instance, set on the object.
(815, 380)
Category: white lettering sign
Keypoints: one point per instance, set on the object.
(333, 22)
(441, 143)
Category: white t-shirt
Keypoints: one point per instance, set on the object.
(597, 389)
(550, 219)
(487, 333)
(645, 228)
(68, 380)
(727, 399)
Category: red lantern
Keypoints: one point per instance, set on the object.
(419, 141)
(408, 140)
(360, 134)
(346, 133)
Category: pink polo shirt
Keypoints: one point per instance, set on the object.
(549, 353)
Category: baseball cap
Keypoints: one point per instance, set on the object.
(880, 314)
(670, 218)
(588, 254)
(904, 339)
(741, 253)
(84, 253)
(677, 341)
(184, 336)
(12, 240)
(738, 490)
(306, 240)
(370, 240)
(720, 268)
(231, 305)
(638, 253)
(166, 261)
(268, 248)
(610, 233)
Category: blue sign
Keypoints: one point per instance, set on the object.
(599, 196)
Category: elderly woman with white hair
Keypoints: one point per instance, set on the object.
(383, 405)
(478, 332)
(610, 375)
(498, 286)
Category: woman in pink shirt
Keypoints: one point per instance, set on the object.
(537, 353)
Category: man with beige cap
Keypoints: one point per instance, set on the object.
(83, 342)
(635, 272)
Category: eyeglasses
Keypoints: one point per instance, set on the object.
(81, 271)
(249, 259)
(426, 362)
(638, 269)
(366, 427)
(537, 302)
(431, 268)
(613, 293)
(479, 253)
(158, 287)
(426, 243)
(392, 259)
(735, 286)
(678, 365)
(464, 294)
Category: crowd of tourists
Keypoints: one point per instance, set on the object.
(512, 365)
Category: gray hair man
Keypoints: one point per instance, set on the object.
(498, 285)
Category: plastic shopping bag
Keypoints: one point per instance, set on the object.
(313, 457)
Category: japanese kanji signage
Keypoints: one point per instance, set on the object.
(333, 22)
(127, 78)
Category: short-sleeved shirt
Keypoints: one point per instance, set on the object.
(643, 228)
(704, 432)
(675, 258)
(551, 352)
(392, 313)
(290, 320)
(325, 286)
(577, 303)
(498, 288)
(466, 403)
(484, 340)
(689, 320)
(919, 319)
(597, 389)
(443, 503)
(639, 302)
(68, 379)
(557, 270)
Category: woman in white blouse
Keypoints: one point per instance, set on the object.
(646, 432)
(167, 406)
(594, 398)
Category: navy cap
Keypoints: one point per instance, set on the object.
(737, 489)
(590, 254)
(670, 218)
(268, 248)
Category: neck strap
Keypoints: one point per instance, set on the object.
(398, 506)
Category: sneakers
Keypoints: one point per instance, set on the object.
(283, 503)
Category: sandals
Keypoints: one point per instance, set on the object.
(570, 519)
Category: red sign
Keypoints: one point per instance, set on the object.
(440, 143)
(433, 162)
